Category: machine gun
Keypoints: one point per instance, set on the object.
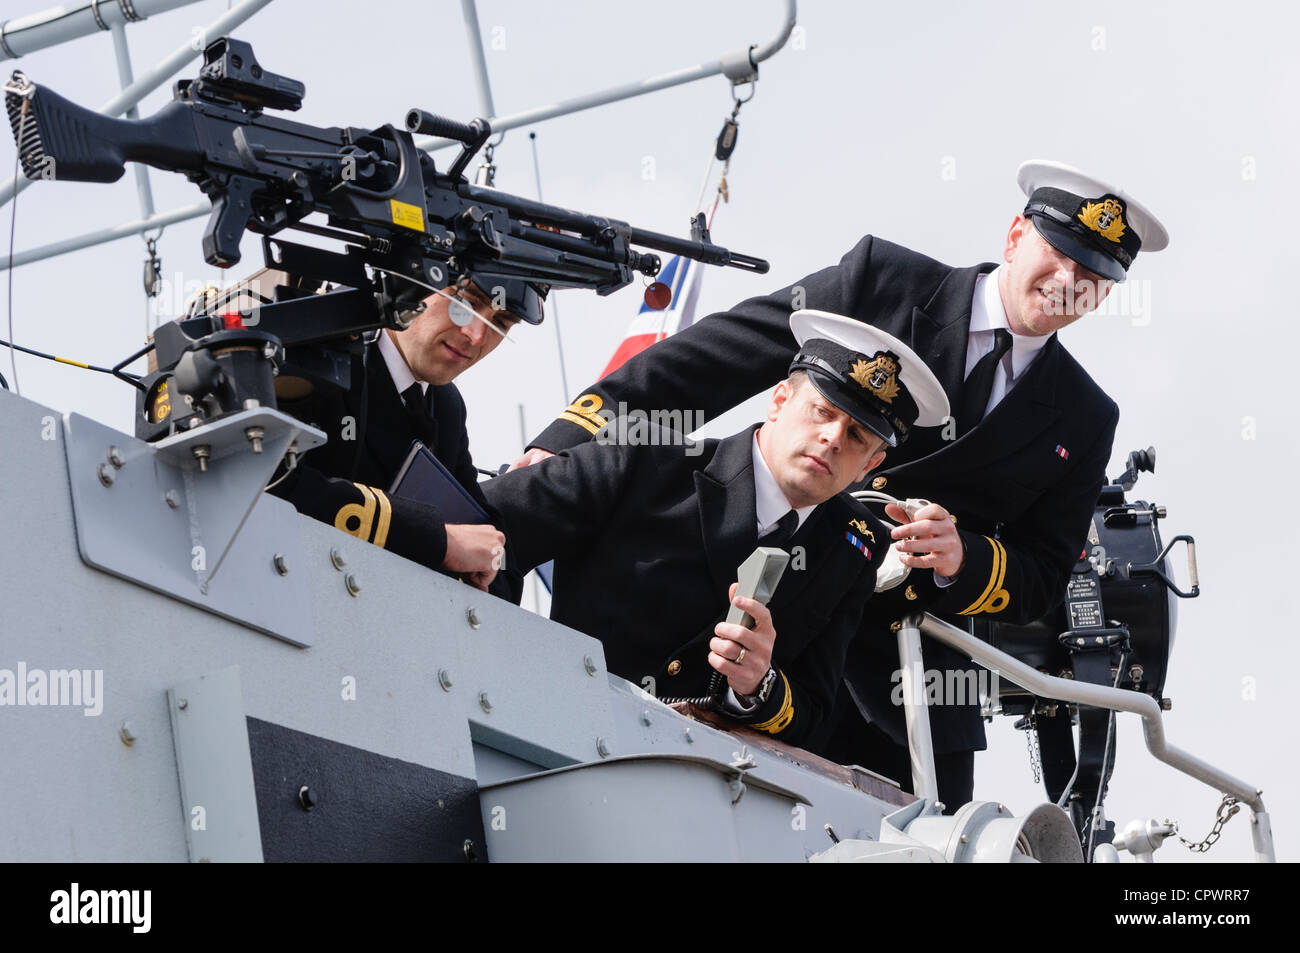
(408, 227)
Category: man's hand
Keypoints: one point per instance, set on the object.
(729, 639)
(929, 540)
(475, 551)
(535, 455)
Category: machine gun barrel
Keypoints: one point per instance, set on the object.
(541, 214)
(706, 252)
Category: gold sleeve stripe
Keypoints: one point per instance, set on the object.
(582, 422)
(998, 591)
(974, 606)
(363, 513)
(995, 578)
(995, 599)
(781, 720)
(385, 514)
(367, 494)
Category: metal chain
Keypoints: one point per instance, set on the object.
(1031, 739)
(487, 170)
(152, 269)
(1228, 804)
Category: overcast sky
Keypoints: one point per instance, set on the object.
(905, 121)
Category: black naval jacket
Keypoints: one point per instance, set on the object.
(1022, 483)
(647, 540)
(345, 482)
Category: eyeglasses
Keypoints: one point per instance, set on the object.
(463, 311)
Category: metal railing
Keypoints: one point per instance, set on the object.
(1065, 690)
(38, 31)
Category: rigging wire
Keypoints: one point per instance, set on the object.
(704, 186)
(555, 309)
(289, 467)
(71, 362)
(133, 379)
(115, 371)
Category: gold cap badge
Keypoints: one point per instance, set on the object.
(1105, 218)
(879, 376)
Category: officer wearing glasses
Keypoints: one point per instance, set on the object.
(402, 391)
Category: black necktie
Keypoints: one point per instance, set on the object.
(417, 409)
(782, 532)
(978, 388)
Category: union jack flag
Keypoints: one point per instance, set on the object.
(650, 326)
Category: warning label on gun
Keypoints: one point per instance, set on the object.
(406, 215)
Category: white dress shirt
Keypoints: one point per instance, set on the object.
(397, 366)
(770, 503)
(986, 316)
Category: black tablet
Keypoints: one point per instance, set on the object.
(424, 479)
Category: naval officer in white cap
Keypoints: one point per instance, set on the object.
(1014, 476)
(647, 534)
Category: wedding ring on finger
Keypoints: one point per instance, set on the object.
(741, 657)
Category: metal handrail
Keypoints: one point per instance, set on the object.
(112, 233)
(38, 31)
(1115, 699)
(629, 90)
